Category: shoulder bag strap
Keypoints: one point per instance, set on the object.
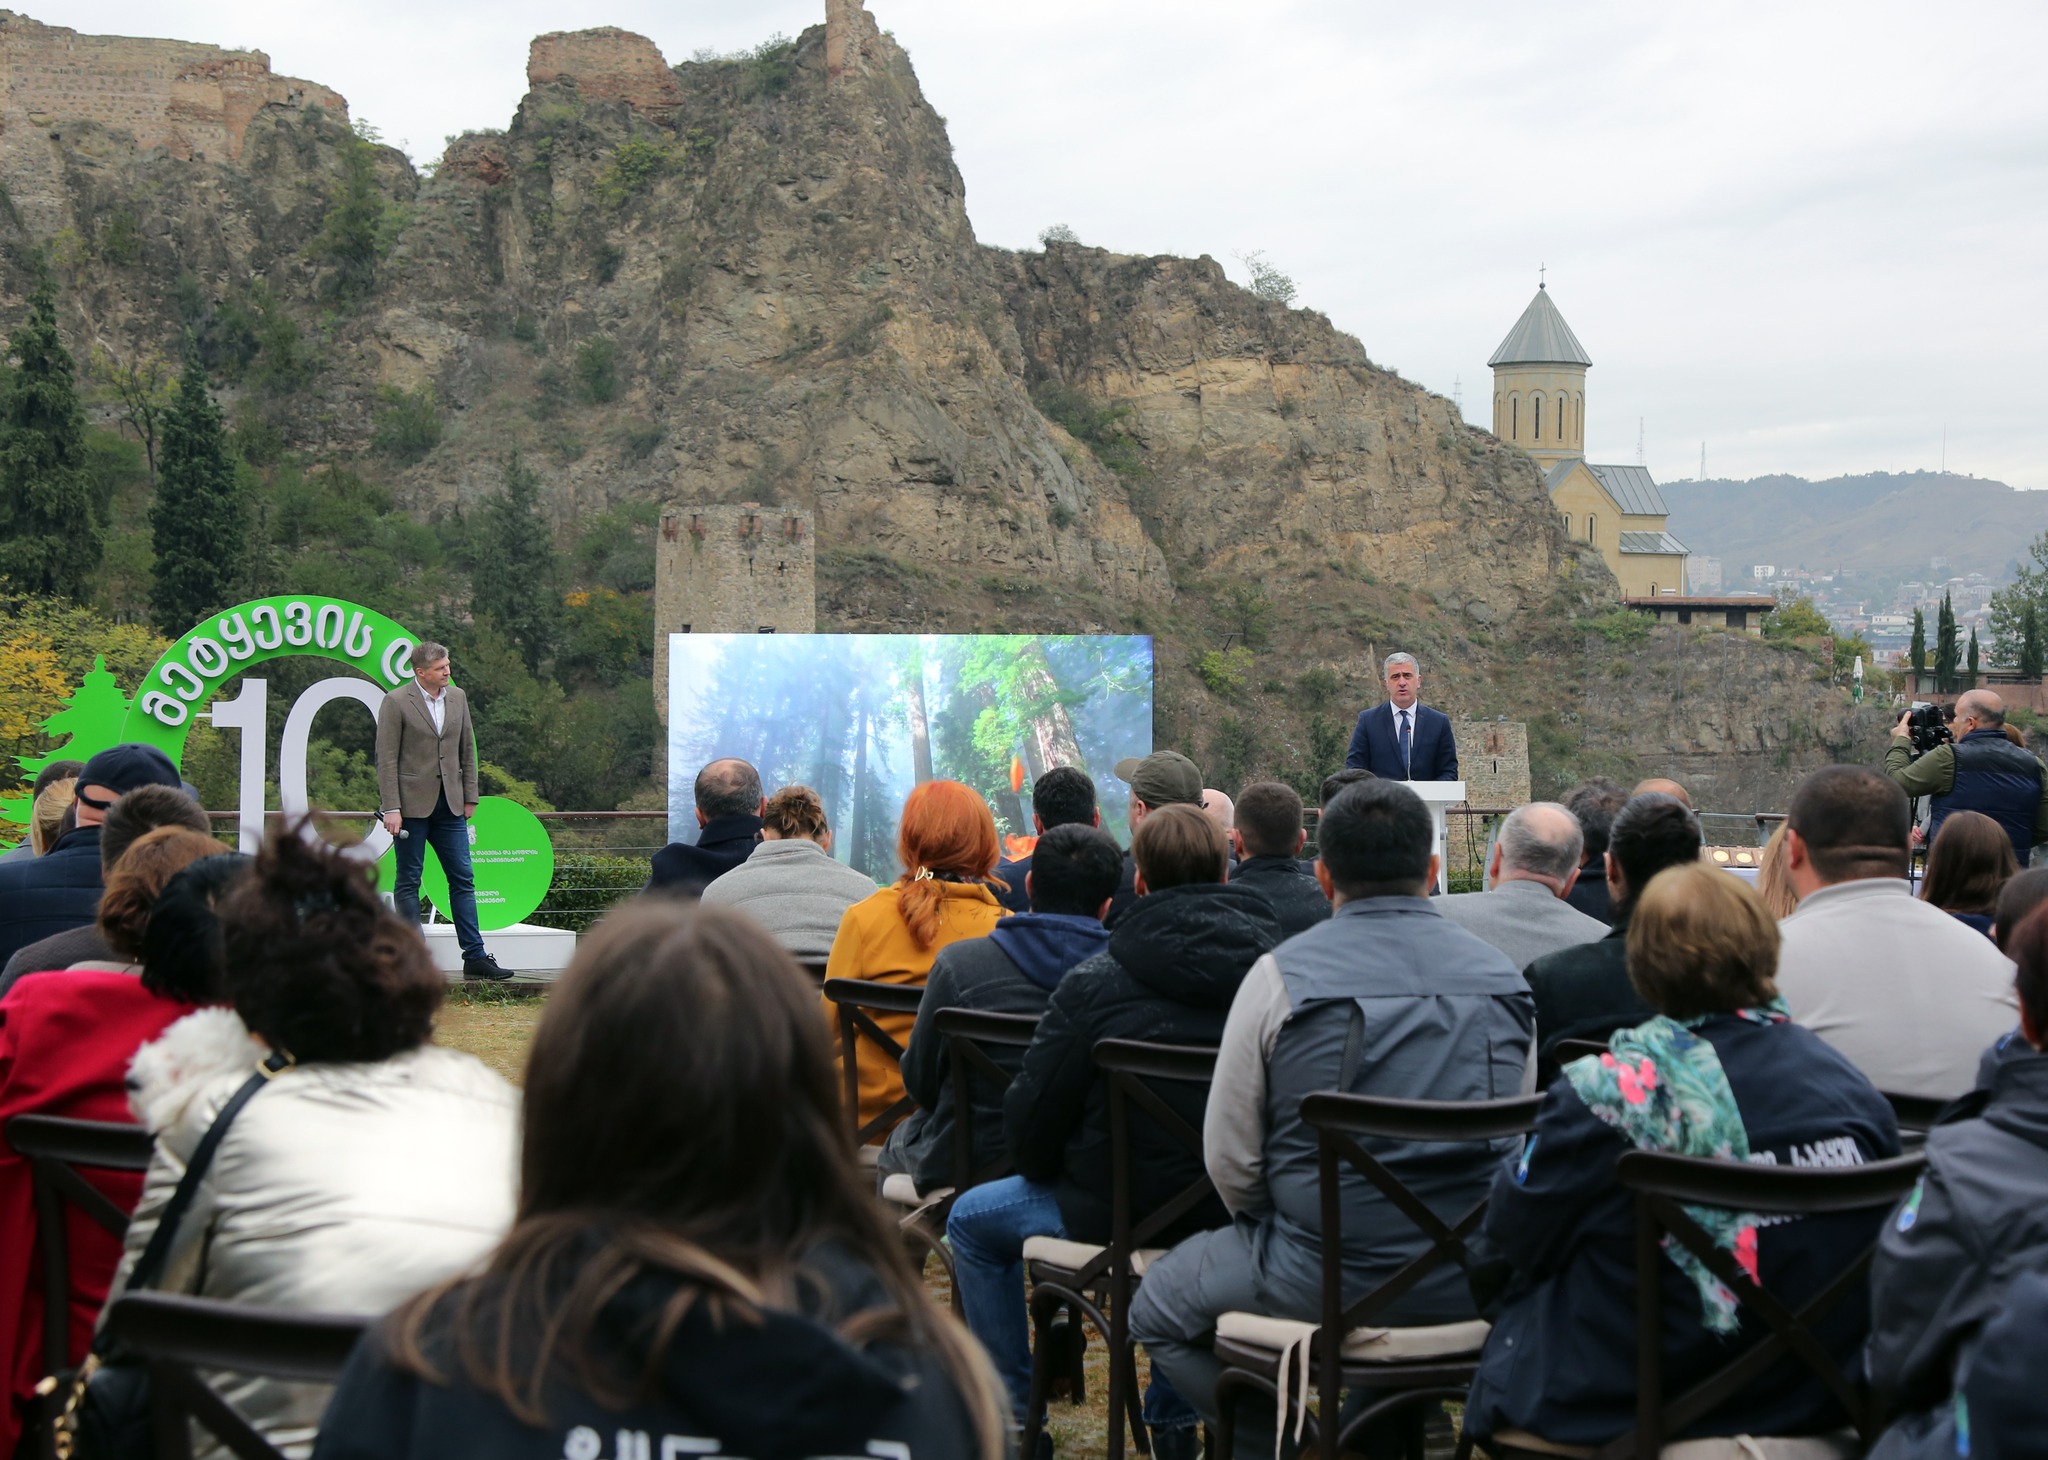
(149, 1267)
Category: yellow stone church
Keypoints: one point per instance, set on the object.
(1539, 404)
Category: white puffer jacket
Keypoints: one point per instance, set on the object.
(340, 1188)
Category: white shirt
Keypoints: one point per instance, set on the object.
(437, 707)
(1912, 996)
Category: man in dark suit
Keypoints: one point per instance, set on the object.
(426, 770)
(1404, 740)
(729, 807)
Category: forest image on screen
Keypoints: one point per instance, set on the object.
(861, 718)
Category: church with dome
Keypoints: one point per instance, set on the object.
(1539, 404)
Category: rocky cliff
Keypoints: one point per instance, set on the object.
(754, 279)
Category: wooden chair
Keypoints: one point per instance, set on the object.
(970, 1036)
(183, 1338)
(1567, 1050)
(815, 970)
(1917, 1114)
(858, 1001)
(1403, 1366)
(58, 1150)
(1663, 1184)
(1097, 1282)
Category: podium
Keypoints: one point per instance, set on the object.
(1439, 797)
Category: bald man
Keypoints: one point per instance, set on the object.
(1981, 771)
(1535, 863)
(729, 807)
(1658, 786)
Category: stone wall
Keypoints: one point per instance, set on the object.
(731, 570)
(1493, 758)
(195, 101)
(606, 64)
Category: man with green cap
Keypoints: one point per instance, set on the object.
(1163, 778)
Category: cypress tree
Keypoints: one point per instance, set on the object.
(1972, 662)
(1919, 649)
(2030, 640)
(197, 523)
(51, 529)
(516, 580)
(1945, 646)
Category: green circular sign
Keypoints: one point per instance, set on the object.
(512, 860)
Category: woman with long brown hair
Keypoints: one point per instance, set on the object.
(696, 1266)
(1968, 865)
(948, 847)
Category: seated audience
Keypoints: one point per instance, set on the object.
(1586, 992)
(1163, 778)
(947, 844)
(66, 1040)
(1721, 1071)
(141, 810)
(1773, 882)
(2000, 1410)
(729, 806)
(2019, 898)
(697, 1265)
(1168, 976)
(1445, 1017)
(375, 1165)
(1527, 912)
(60, 890)
(1268, 838)
(1977, 1220)
(47, 812)
(1594, 805)
(1909, 994)
(1660, 786)
(1335, 782)
(1063, 796)
(1221, 808)
(790, 884)
(48, 776)
(1969, 862)
(1014, 970)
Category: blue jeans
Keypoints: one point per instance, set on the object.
(448, 832)
(987, 1230)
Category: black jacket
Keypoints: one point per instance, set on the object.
(2004, 1397)
(1978, 1220)
(1589, 894)
(1582, 993)
(722, 844)
(787, 1389)
(53, 893)
(1561, 1360)
(1014, 873)
(1013, 970)
(1297, 899)
(59, 950)
(1172, 967)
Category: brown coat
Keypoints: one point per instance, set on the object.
(414, 766)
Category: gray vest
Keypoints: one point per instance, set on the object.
(1388, 998)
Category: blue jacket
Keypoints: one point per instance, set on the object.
(1996, 777)
(722, 844)
(1432, 750)
(1561, 1360)
(53, 893)
(2001, 1411)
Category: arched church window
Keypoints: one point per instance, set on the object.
(1539, 419)
(1591, 539)
(1567, 525)
(1515, 419)
(1579, 417)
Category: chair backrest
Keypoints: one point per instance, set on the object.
(1131, 1069)
(970, 1035)
(1662, 1183)
(57, 1148)
(858, 1000)
(814, 968)
(1567, 1050)
(1339, 1121)
(181, 1338)
(1916, 1114)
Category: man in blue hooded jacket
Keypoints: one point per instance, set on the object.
(1073, 874)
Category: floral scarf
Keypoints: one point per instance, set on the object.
(1663, 1088)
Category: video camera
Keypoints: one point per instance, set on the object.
(1927, 726)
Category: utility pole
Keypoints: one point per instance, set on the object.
(1640, 459)
(1703, 461)
(1458, 394)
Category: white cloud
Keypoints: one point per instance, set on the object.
(1807, 235)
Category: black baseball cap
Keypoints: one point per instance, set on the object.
(121, 769)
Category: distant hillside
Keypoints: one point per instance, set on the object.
(1880, 524)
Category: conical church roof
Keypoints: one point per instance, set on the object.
(1540, 337)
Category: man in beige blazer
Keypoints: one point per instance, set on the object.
(426, 769)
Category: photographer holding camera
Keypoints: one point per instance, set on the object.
(1980, 770)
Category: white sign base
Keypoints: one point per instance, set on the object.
(530, 950)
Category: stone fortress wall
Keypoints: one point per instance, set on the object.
(195, 101)
(731, 570)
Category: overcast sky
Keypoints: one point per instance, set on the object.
(1810, 237)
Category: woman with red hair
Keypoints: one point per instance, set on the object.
(949, 851)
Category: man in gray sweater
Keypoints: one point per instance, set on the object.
(789, 883)
(1535, 864)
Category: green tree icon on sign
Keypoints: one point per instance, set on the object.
(89, 721)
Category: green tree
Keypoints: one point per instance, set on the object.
(1798, 619)
(2029, 655)
(2009, 604)
(1945, 676)
(351, 237)
(1917, 654)
(1971, 664)
(52, 531)
(516, 584)
(198, 523)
